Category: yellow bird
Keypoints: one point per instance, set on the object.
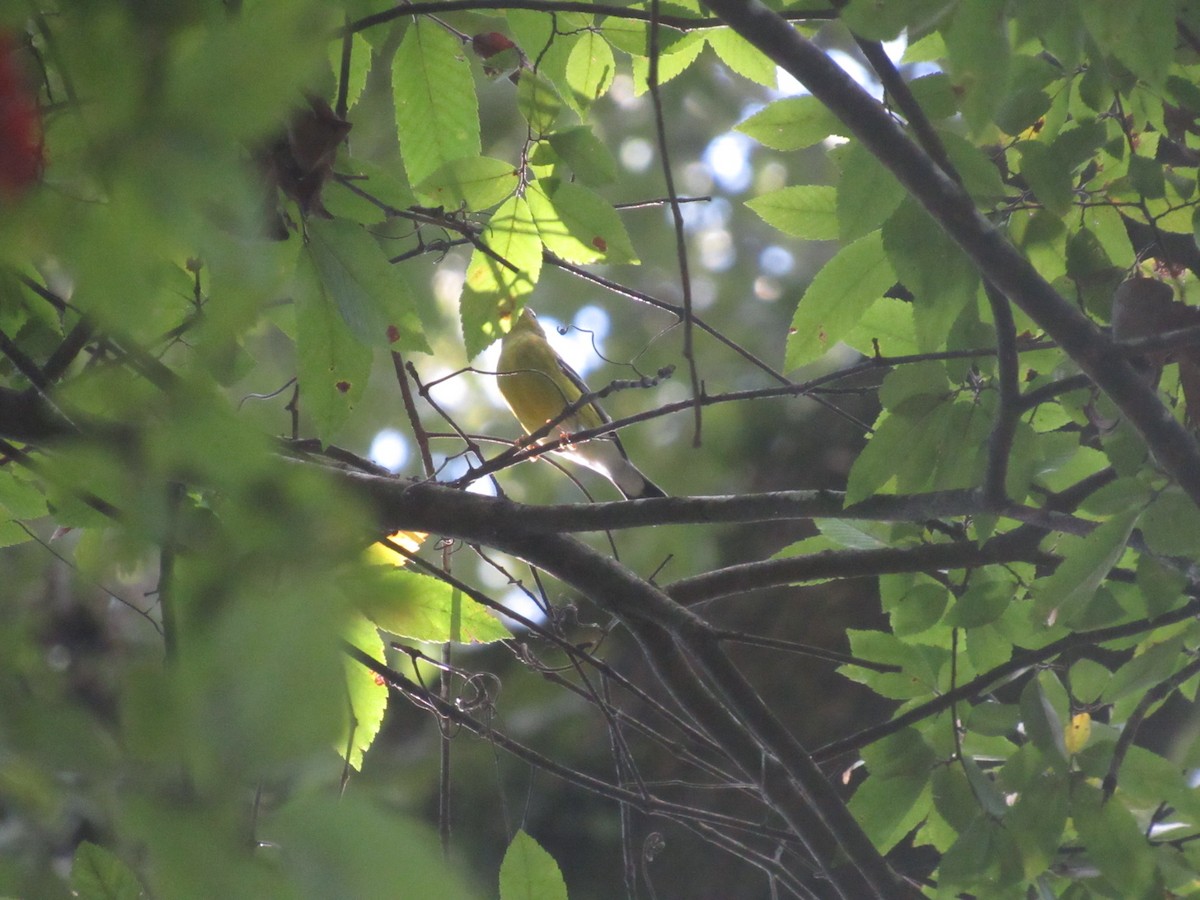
(538, 386)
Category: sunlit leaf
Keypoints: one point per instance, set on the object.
(437, 114)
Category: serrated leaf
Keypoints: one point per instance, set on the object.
(590, 68)
(843, 290)
(493, 287)
(940, 276)
(587, 156)
(887, 328)
(792, 123)
(538, 102)
(578, 224)
(805, 211)
(742, 56)
(867, 193)
(360, 65)
(437, 113)
(475, 182)
(423, 608)
(332, 364)
(855, 534)
(373, 300)
(528, 872)
(366, 694)
(682, 54)
(919, 609)
(1066, 593)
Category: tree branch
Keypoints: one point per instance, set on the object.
(998, 260)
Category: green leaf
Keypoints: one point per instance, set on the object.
(742, 56)
(887, 327)
(98, 874)
(437, 113)
(1160, 587)
(792, 123)
(803, 211)
(875, 468)
(423, 608)
(993, 719)
(1048, 175)
(1152, 665)
(360, 65)
(936, 95)
(578, 224)
(1146, 176)
(902, 753)
(979, 58)
(1114, 842)
(843, 290)
(889, 808)
(1064, 596)
(976, 857)
(349, 846)
(953, 798)
(366, 694)
(19, 497)
(1140, 33)
(590, 68)
(385, 184)
(1088, 679)
(538, 102)
(372, 299)
(675, 62)
(587, 156)
(984, 601)
(980, 175)
(941, 277)
(1171, 525)
(475, 182)
(1043, 722)
(332, 364)
(493, 287)
(530, 873)
(1037, 822)
(867, 193)
(919, 609)
(884, 21)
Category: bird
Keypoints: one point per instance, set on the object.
(537, 386)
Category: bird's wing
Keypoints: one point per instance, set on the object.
(576, 380)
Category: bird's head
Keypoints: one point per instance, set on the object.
(527, 324)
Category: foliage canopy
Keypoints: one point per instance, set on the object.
(238, 237)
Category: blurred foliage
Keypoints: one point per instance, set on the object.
(226, 229)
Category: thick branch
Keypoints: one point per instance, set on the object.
(1011, 547)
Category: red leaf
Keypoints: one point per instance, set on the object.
(487, 44)
(21, 148)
